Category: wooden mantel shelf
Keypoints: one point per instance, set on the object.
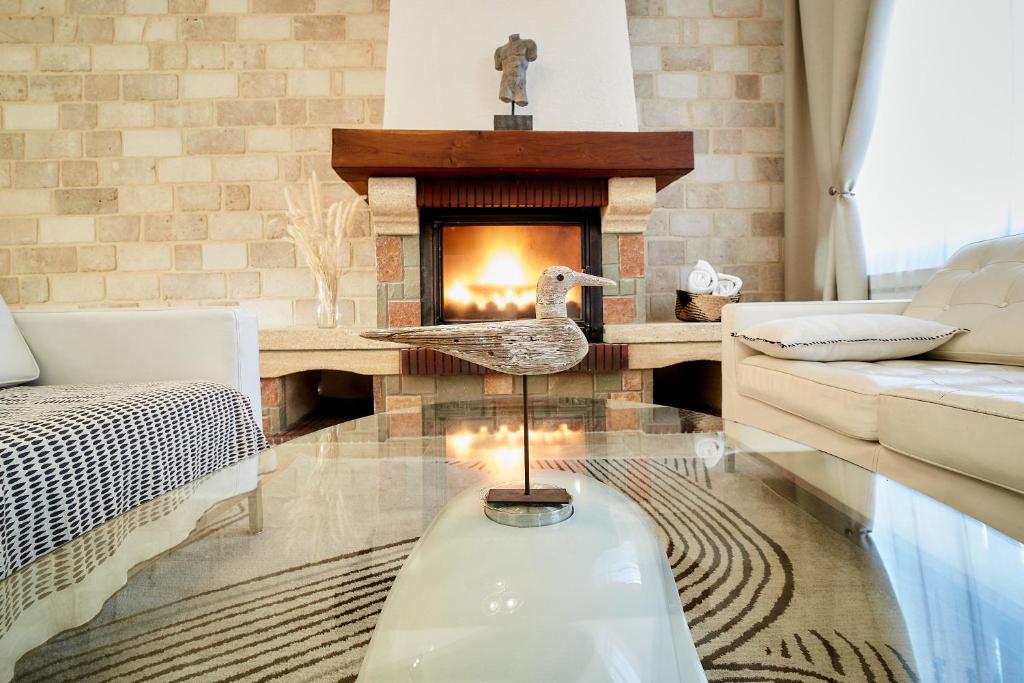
(359, 154)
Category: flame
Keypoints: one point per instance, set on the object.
(501, 450)
(490, 272)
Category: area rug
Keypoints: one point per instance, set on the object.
(770, 594)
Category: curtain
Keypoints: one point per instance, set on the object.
(834, 54)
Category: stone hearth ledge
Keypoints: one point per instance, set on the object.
(296, 349)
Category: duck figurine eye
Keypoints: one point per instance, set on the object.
(560, 277)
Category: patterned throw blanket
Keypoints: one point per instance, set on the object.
(74, 456)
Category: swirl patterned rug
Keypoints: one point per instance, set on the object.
(766, 589)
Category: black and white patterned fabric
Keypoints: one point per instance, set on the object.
(74, 456)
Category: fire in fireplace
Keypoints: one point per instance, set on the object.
(501, 449)
(483, 265)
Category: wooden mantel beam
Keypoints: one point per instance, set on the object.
(359, 154)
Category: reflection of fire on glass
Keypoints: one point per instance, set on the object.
(501, 449)
(490, 272)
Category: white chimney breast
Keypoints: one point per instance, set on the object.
(440, 69)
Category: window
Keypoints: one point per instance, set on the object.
(946, 161)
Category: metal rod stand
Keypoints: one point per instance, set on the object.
(526, 436)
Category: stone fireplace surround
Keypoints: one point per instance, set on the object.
(402, 171)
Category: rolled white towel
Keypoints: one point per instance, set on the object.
(728, 285)
(709, 447)
(702, 279)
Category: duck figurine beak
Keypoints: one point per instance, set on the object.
(588, 280)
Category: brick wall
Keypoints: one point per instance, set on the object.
(714, 67)
(145, 144)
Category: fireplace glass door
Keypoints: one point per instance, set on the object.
(489, 272)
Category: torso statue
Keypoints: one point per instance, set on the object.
(511, 60)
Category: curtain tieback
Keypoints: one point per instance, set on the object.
(834, 191)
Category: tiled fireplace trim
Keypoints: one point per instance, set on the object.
(396, 227)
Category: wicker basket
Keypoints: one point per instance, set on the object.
(701, 308)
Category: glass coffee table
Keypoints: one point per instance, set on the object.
(790, 564)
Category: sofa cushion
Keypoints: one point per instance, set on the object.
(17, 365)
(981, 288)
(844, 396)
(977, 430)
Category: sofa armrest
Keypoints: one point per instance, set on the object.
(98, 347)
(738, 317)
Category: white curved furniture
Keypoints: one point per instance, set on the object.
(589, 599)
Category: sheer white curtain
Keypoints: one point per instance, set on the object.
(946, 162)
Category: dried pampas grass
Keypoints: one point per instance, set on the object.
(322, 237)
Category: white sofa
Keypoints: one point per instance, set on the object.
(949, 424)
(107, 346)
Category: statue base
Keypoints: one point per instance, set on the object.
(513, 122)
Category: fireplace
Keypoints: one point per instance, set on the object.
(483, 265)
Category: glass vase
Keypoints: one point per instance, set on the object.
(326, 301)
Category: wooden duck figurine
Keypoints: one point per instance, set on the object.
(547, 344)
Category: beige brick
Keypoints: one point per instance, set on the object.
(117, 228)
(731, 58)
(749, 115)
(319, 27)
(344, 6)
(245, 56)
(184, 170)
(76, 288)
(309, 83)
(160, 29)
(186, 6)
(145, 7)
(9, 290)
(18, 58)
(97, 6)
(364, 82)
(178, 228)
(97, 258)
(188, 257)
(151, 143)
(262, 84)
(338, 55)
(291, 112)
(228, 6)
(31, 116)
(145, 198)
(645, 31)
(235, 226)
(78, 115)
(64, 58)
(215, 141)
(766, 60)
(264, 28)
(678, 85)
(67, 145)
(311, 139)
(55, 88)
(243, 285)
(760, 33)
(224, 256)
(44, 260)
(150, 86)
(207, 28)
(26, 29)
(6, 172)
(736, 8)
(246, 168)
(285, 56)
(716, 86)
(33, 174)
(717, 31)
(184, 114)
(275, 254)
(245, 113)
(94, 30)
(34, 290)
(134, 287)
(24, 202)
(236, 197)
(64, 229)
(368, 27)
(12, 146)
(101, 87)
(268, 140)
(168, 57)
(209, 85)
(688, 8)
(290, 283)
(86, 201)
(283, 6)
(197, 197)
(193, 286)
(120, 57)
(127, 171)
(17, 231)
(132, 257)
(125, 115)
(103, 143)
